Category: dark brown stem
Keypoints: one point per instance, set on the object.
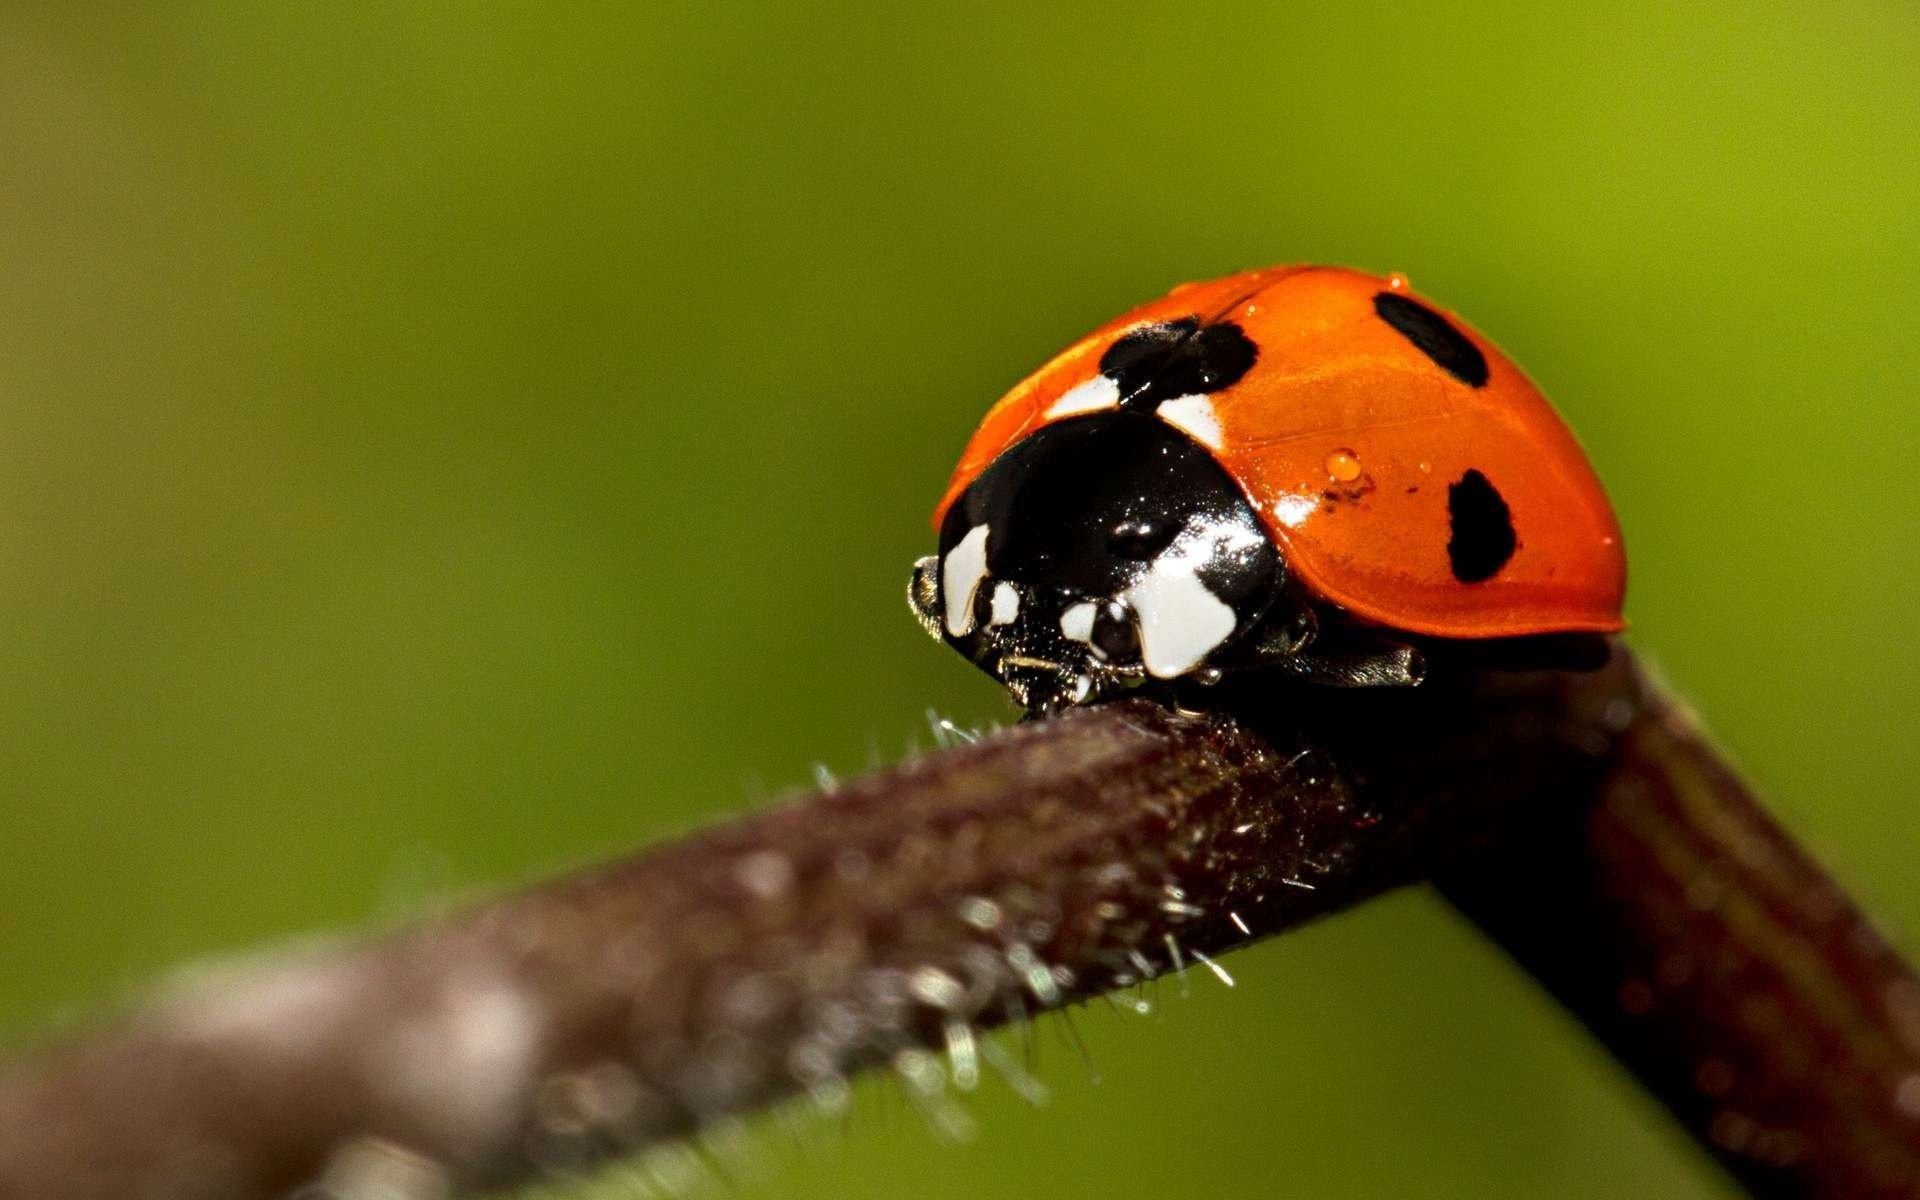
(894, 920)
(1720, 964)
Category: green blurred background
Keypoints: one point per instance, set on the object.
(436, 448)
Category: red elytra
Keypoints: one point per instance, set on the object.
(1366, 415)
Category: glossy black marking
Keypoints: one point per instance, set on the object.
(1177, 358)
(1079, 511)
(1115, 635)
(1482, 538)
(1081, 503)
(1139, 539)
(1435, 337)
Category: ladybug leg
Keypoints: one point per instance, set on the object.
(1348, 658)
(1388, 666)
(923, 595)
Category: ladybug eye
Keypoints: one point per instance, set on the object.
(983, 605)
(1136, 539)
(1114, 634)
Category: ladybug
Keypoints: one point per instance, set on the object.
(1303, 469)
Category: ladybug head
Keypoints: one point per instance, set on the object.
(1096, 554)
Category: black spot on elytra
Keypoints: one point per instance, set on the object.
(1435, 337)
(1482, 529)
(1177, 358)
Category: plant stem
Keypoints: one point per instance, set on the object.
(895, 919)
(1719, 964)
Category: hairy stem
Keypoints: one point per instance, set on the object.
(895, 918)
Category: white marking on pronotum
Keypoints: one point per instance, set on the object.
(961, 573)
(1006, 604)
(1239, 924)
(1181, 622)
(1193, 416)
(1102, 391)
(1219, 971)
(1299, 883)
